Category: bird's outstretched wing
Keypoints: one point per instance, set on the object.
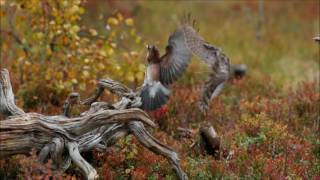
(184, 42)
(208, 53)
(213, 57)
(216, 81)
(176, 59)
(173, 63)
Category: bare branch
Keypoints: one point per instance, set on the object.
(86, 168)
(7, 103)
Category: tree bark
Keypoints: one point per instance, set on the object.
(7, 104)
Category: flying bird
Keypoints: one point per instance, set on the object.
(163, 70)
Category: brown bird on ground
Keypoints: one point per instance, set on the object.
(164, 70)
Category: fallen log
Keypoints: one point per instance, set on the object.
(62, 138)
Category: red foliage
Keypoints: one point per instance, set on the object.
(160, 113)
(140, 173)
(114, 158)
(106, 172)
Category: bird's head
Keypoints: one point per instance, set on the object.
(153, 54)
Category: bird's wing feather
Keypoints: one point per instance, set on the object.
(205, 51)
(182, 43)
(176, 59)
(215, 83)
(213, 57)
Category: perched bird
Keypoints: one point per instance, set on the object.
(163, 70)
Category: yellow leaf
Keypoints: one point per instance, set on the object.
(129, 22)
(112, 21)
(101, 66)
(49, 52)
(47, 77)
(59, 75)
(120, 17)
(125, 54)
(74, 81)
(93, 32)
(130, 77)
(82, 86)
(74, 9)
(113, 45)
(140, 75)
(86, 60)
(134, 54)
(75, 28)
(85, 73)
(39, 35)
(110, 51)
(132, 32)
(142, 67)
(138, 39)
(55, 12)
(27, 63)
(66, 26)
(102, 53)
(65, 3)
(81, 10)
(117, 67)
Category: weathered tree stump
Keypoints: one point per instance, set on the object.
(62, 138)
(209, 141)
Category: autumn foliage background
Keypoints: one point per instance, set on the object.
(269, 121)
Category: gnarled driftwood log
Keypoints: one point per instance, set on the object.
(62, 138)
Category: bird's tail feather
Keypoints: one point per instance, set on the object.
(154, 96)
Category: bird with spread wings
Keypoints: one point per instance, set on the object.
(163, 70)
